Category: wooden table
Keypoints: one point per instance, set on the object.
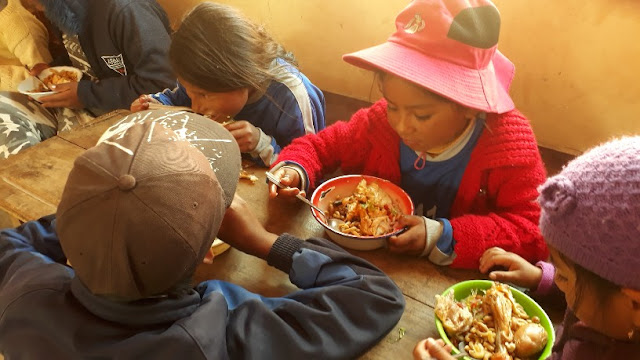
(32, 183)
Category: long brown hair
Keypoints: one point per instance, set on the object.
(218, 49)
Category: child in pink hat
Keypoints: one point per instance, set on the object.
(591, 221)
(446, 131)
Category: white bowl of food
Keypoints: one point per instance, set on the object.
(38, 87)
(369, 207)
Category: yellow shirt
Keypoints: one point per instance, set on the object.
(23, 41)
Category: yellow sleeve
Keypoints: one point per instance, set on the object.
(11, 76)
(27, 39)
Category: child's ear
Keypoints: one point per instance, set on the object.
(634, 295)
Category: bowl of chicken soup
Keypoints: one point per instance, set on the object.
(360, 211)
(486, 318)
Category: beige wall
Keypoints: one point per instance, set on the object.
(578, 62)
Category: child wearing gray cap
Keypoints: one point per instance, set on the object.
(138, 213)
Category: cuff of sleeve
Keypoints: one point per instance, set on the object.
(433, 230)
(264, 149)
(281, 253)
(546, 282)
(441, 252)
(446, 242)
(84, 91)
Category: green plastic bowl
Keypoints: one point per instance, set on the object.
(463, 289)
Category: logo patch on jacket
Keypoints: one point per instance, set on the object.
(116, 63)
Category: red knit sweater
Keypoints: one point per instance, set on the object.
(496, 200)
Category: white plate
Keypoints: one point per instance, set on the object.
(30, 83)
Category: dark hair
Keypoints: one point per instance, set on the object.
(587, 280)
(218, 49)
(380, 75)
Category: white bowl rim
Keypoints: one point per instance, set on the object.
(43, 93)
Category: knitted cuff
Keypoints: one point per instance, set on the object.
(546, 282)
(281, 253)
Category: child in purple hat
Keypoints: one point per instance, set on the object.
(591, 222)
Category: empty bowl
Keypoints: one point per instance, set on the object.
(343, 186)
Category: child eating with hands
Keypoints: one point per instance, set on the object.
(590, 222)
(446, 131)
(230, 68)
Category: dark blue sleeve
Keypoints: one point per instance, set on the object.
(176, 97)
(346, 305)
(294, 107)
(32, 244)
(292, 122)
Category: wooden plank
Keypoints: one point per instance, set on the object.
(87, 135)
(247, 271)
(31, 183)
(7, 220)
(417, 322)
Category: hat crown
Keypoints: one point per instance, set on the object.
(591, 211)
(448, 47)
(462, 32)
(141, 208)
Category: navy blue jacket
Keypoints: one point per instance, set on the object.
(291, 107)
(344, 307)
(126, 43)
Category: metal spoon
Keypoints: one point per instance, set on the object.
(275, 180)
(332, 222)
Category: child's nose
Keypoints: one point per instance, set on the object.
(403, 124)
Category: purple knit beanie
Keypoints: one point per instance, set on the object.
(591, 211)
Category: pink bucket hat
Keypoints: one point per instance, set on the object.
(450, 48)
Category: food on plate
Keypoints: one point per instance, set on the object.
(368, 212)
(491, 324)
(55, 78)
(244, 174)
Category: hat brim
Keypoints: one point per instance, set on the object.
(484, 89)
(212, 139)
